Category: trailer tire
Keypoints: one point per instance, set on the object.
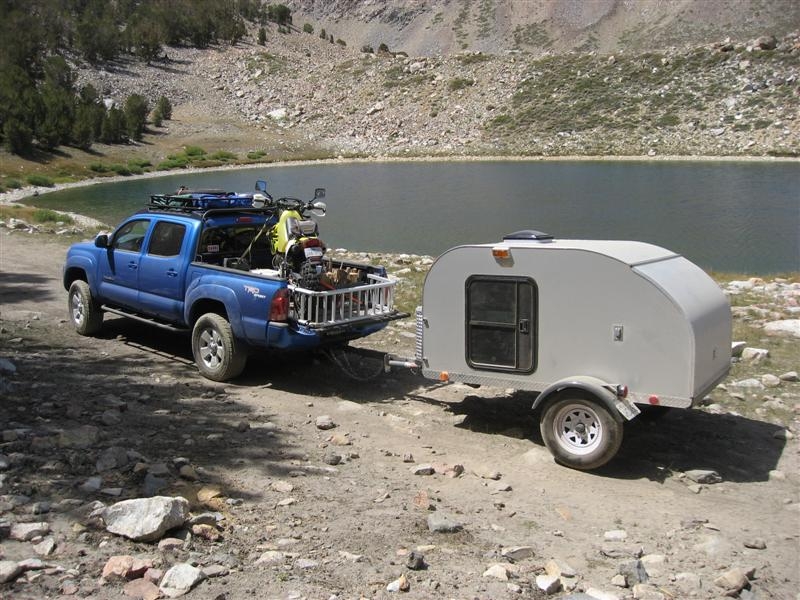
(216, 351)
(84, 312)
(580, 431)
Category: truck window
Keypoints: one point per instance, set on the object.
(131, 235)
(501, 323)
(167, 239)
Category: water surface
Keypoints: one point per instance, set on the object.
(726, 216)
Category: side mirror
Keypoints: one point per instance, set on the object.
(318, 209)
(261, 186)
(101, 241)
(319, 193)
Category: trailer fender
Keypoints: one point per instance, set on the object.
(603, 391)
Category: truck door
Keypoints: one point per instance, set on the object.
(120, 264)
(162, 271)
(501, 327)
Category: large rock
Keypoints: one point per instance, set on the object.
(24, 532)
(9, 570)
(80, 437)
(440, 523)
(787, 326)
(146, 519)
(180, 579)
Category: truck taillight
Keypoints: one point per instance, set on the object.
(312, 243)
(279, 308)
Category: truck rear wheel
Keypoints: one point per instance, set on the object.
(84, 312)
(581, 432)
(215, 350)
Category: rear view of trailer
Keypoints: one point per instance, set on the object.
(596, 327)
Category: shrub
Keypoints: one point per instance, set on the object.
(262, 36)
(45, 215)
(383, 48)
(157, 118)
(256, 154)
(367, 49)
(139, 162)
(308, 28)
(223, 155)
(194, 151)
(120, 169)
(39, 180)
(341, 42)
(173, 162)
(12, 184)
(136, 170)
(98, 168)
(459, 83)
(322, 34)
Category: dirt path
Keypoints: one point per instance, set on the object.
(337, 511)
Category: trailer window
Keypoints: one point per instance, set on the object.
(501, 323)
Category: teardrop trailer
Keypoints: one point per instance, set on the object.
(595, 327)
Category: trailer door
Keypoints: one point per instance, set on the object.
(501, 323)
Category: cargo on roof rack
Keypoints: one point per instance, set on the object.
(200, 200)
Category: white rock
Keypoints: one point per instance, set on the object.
(497, 571)
(790, 376)
(271, 557)
(770, 381)
(279, 114)
(9, 570)
(601, 594)
(755, 355)
(23, 532)
(787, 326)
(703, 476)
(737, 348)
(146, 519)
(515, 553)
(615, 535)
(549, 584)
(180, 579)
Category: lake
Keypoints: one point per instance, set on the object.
(725, 216)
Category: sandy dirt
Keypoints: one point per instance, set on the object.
(345, 530)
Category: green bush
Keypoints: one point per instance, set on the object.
(262, 36)
(223, 155)
(45, 215)
(194, 151)
(120, 169)
(173, 162)
(341, 42)
(39, 180)
(459, 83)
(139, 162)
(308, 28)
(136, 170)
(256, 154)
(98, 168)
(12, 184)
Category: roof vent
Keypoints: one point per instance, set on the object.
(528, 234)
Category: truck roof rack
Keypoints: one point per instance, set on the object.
(203, 200)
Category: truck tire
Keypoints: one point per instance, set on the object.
(84, 312)
(216, 352)
(580, 431)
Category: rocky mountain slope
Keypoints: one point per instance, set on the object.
(727, 97)
(432, 27)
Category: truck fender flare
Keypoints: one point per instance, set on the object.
(618, 407)
(86, 265)
(219, 293)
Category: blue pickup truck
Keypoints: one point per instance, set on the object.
(203, 263)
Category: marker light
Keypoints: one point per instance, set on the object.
(444, 376)
(654, 400)
(499, 252)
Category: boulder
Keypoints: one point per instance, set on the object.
(24, 532)
(786, 326)
(146, 519)
(180, 579)
(441, 523)
(9, 570)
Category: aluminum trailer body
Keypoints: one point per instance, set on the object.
(619, 322)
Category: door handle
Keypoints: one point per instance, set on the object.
(172, 273)
(524, 326)
(133, 266)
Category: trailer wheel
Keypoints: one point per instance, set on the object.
(84, 312)
(215, 350)
(580, 432)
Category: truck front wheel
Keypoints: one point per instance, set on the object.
(581, 432)
(84, 312)
(215, 350)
